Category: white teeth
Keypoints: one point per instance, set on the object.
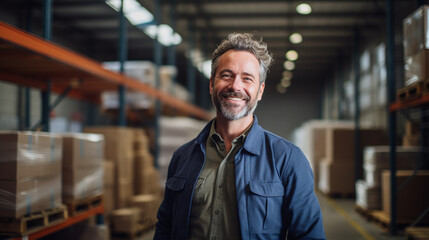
(235, 99)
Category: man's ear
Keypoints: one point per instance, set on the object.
(261, 91)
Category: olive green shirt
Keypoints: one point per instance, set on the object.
(214, 213)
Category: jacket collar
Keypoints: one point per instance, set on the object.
(252, 144)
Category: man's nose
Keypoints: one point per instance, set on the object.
(236, 83)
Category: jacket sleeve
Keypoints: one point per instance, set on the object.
(163, 226)
(303, 214)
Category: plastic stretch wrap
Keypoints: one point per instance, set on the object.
(26, 196)
(29, 155)
(83, 170)
(30, 172)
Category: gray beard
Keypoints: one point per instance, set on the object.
(230, 115)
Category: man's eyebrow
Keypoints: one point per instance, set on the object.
(248, 74)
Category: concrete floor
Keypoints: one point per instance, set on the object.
(341, 222)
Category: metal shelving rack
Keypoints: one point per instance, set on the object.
(30, 61)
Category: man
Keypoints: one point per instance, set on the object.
(236, 180)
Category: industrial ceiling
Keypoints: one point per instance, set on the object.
(328, 32)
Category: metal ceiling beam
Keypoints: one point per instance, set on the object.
(268, 1)
(329, 15)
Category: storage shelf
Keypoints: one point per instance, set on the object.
(28, 60)
(408, 104)
(69, 222)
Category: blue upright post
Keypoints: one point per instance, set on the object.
(46, 94)
(390, 65)
(122, 121)
(158, 62)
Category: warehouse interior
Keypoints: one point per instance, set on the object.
(106, 94)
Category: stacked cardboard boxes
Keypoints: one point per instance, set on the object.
(119, 149)
(83, 156)
(126, 220)
(109, 187)
(376, 160)
(337, 169)
(416, 46)
(30, 172)
(137, 185)
(412, 195)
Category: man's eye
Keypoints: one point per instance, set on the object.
(226, 76)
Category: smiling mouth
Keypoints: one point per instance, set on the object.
(234, 96)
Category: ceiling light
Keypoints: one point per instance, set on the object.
(285, 82)
(280, 88)
(289, 65)
(292, 55)
(303, 8)
(143, 19)
(287, 74)
(133, 11)
(295, 38)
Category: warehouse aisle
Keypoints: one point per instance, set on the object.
(341, 222)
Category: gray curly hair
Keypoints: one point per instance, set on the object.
(244, 42)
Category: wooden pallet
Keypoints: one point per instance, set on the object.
(365, 213)
(411, 92)
(33, 222)
(381, 219)
(417, 233)
(78, 206)
(340, 195)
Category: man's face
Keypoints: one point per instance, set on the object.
(236, 87)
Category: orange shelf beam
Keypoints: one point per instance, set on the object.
(408, 104)
(70, 221)
(85, 67)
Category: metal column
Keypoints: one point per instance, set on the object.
(191, 69)
(390, 65)
(171, 53)
(158, 62)
(46, 94)
(122, 121)
(356, 67)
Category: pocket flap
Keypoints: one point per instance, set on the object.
(267, 189)
(176, 183)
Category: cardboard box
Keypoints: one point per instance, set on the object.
(82, 165)
(416, 33)
(82, 183)
(416, 67)
(149, 204)
(109, 173)
(118, 142)
(124, 189)
(340, 144)
(125, 220)
(367, 196)
(377, 159)
(336, 177)
(82, 150)
(109, 200)
(143, 160)
(147, 181)
(29, 155)
(30, 195)
(412, 199)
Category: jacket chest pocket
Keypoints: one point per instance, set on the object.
(265, 206)
(175, 187)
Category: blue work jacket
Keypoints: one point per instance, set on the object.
(274, 185)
